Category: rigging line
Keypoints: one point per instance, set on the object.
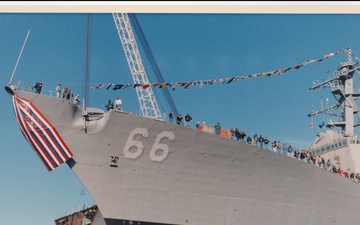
(158, 73)
(22, 48)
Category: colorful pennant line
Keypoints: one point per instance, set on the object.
(201, 83)
(40, 134)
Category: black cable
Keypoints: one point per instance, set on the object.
(159, 76)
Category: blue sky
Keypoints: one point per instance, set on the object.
(186, 47)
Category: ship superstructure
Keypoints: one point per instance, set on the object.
(340, 144)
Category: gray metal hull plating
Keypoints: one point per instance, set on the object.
(170, 174)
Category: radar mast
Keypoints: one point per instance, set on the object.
(342, 88)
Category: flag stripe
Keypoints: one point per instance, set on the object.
(40, 147)
(42, 143)
(36, 133)
(41, 134)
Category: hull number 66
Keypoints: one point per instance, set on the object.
(134, 148)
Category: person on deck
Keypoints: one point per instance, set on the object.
(266, 142)
(109, 105)
(187, 120)
(249, 140)
(178, 119)
(237, 134)
(296, 154)
(38, 87)
(118, 103)
(77, 100)
(231, 132)
(171, 117)
(274, 146)
(197, 126)
(289, 150)
(69, 95)
(261, 141)
(242, 135)
(217, 128)
(58, 90)
(66, 91)
(255, 140)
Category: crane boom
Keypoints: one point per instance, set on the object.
(147, 101)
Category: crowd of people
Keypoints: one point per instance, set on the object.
(67, 94)
(179, 119)
(327, 165)
(275, 146)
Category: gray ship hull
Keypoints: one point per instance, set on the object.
(154, 172)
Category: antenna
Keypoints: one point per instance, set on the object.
(87, 61)
(12, 76)
(86, 71)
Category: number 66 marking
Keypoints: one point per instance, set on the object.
(158, 152)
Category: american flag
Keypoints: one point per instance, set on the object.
(40, 133)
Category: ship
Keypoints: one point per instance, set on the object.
(144, 170)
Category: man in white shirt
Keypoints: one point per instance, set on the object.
(118, 103)
(58, 90)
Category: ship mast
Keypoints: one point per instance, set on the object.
(342, 88)
(148, 104)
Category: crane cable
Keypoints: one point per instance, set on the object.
(159, 76)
